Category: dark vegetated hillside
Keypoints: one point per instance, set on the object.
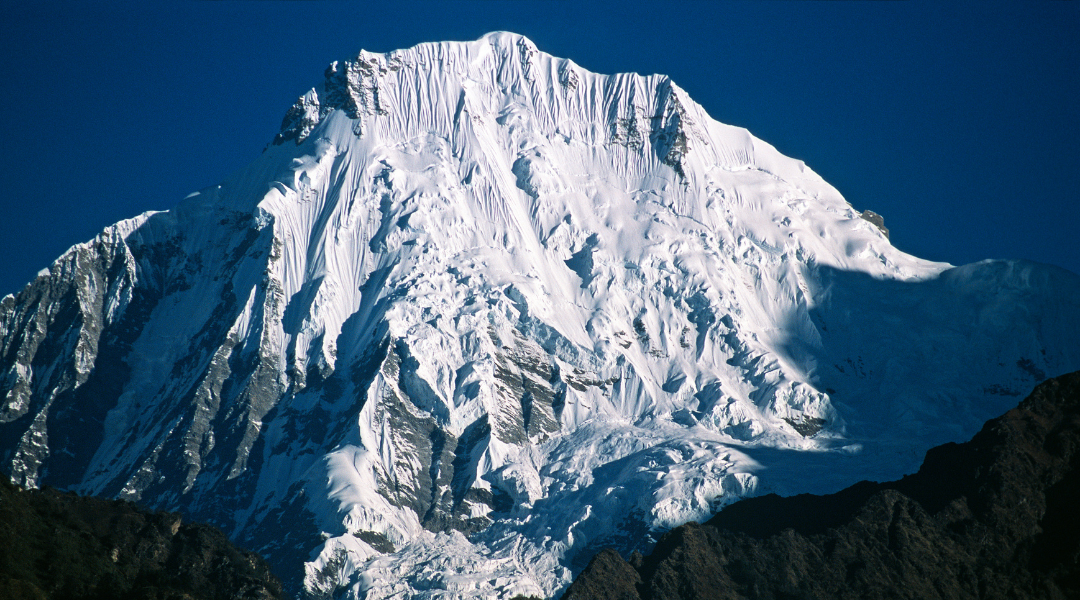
(63, 546)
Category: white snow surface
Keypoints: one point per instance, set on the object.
(708, 318)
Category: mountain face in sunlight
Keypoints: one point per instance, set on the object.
(477, 313)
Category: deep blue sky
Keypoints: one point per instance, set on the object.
(958, 122)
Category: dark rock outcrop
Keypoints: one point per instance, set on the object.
(58, 545)
(995, 517)
(877, 220)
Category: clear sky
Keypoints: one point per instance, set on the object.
(957, 121)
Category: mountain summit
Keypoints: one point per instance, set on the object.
(477, 312)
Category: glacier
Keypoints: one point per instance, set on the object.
(477, 313)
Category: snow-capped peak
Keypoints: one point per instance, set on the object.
(479, 312)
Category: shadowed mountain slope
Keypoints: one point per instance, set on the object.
(990, 518)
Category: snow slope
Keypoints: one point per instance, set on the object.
(478, 312)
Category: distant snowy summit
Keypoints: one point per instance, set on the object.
(478, 313)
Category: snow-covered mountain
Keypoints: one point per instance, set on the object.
(477, 313)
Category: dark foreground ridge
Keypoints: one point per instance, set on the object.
(996, 517)
(63, 546)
